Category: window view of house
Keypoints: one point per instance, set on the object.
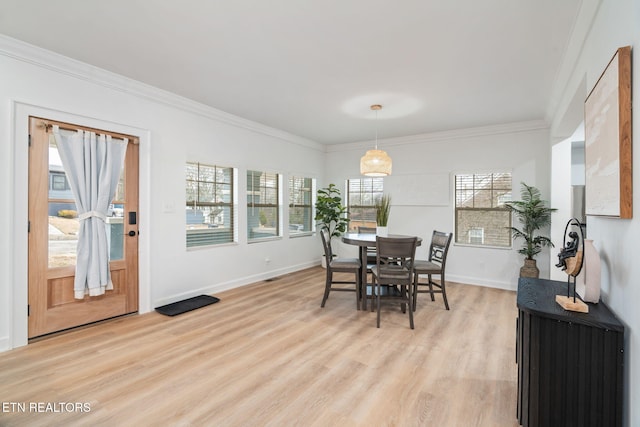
(362, 194)
(300, 205)
(263, 205)
(480, 214)
(209, 207)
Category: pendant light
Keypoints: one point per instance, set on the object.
(375, 162)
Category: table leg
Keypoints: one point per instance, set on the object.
(363, 277)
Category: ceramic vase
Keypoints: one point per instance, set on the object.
(588, 285)
(382, 231)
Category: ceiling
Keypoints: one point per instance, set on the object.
(313, 68)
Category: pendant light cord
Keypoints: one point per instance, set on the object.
(376, 129)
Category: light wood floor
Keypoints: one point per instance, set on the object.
(268, 355)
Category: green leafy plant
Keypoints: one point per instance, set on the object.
(534, 214)
(262, 218)
(383, 206)
(330, 212)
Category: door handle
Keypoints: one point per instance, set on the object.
(132, 233)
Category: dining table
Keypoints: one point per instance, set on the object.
(364, 241)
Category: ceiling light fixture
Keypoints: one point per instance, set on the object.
(375, 162)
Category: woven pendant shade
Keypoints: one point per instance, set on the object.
(375, 163)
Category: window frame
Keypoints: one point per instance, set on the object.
(250, 194)
(230, 205)
(496, 209)
(58, 178)
(310, 207)
(375, 195)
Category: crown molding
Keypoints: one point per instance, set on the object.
(61, 64)
(474, 132)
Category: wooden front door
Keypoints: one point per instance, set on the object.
(53, 225)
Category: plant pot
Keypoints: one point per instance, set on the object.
(529, 269)
(382, 231)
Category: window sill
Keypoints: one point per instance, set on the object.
(305, 234)
(201, 247)
(264, 239)
(471, 245)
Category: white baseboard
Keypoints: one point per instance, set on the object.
(236, 283)
(5, 344)
(482, 282)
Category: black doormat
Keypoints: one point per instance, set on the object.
(189, 304)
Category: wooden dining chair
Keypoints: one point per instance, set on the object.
(339, 265)
(371, 250)
(394, 268)
(434, 266)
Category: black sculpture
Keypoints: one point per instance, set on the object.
(572, 250)
(569, 251)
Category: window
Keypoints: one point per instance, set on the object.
(210, 208)
(300, 205)
(58, 181)
(263, 206)
(481, 216)
(362, 195)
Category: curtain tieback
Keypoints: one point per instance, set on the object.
(90, 214)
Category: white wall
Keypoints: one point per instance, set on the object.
(561, 200)
(173, 130)
(521, 148)
(615, 25)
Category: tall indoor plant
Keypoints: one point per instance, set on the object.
(533, 214)
(330, 212)
(383, 206)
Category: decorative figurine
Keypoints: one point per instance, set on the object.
(570, 261)
(568, 251)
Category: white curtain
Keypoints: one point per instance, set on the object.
(93, 164)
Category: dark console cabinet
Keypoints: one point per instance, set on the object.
(569, 364)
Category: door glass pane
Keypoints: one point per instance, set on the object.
(63, 233)
(63, 214)
(115, 236)
(120, 189)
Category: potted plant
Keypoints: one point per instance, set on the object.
(330, 212)
(383, 206)
(534, 214)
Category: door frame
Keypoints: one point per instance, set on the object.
(18, 291)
